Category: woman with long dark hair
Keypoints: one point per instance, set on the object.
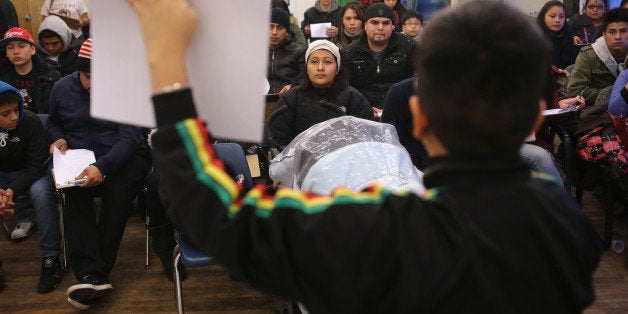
(352, 24)
(552, 20)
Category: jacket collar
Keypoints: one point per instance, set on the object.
(449, 171)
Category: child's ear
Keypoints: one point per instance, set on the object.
(419, 120)
(540, 117)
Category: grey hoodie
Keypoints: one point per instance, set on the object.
(71, 45)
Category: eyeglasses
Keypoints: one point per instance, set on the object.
(412, 24)
(595, 7)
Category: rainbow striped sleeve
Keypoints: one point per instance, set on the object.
(210, 171)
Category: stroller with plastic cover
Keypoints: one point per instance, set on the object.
(346, 151)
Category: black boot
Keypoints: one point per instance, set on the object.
(163, 244)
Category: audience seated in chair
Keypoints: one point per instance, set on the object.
(285, 58)
(325, 81)
(25, 180)
(116, 176)
(57, 43)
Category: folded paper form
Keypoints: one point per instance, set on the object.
(69, 165)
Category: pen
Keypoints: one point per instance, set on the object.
(47, 159)
(76, 182)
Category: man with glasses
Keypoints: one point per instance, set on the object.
(379, 59)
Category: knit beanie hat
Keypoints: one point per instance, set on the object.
(325, 45)
(83, 63)
(281, 17)
(379, 9)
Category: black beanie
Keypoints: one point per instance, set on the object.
(281, 17)
(379, 10)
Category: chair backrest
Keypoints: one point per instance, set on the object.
(233, 155)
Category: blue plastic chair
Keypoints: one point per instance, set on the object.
(233, 156)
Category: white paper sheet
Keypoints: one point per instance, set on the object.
(550, 112)
(318, 30)
(225, 61)
(69, 165)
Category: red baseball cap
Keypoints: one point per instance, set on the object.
(17, 33)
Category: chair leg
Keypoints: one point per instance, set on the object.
(64, 245)
(177, 280)
(147, 245)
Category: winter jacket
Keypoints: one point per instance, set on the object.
(564, 52)
(284, 65)
(112, 143)
(593, 72)
(487, 237)
(304, 110)
(315, 15)
(47, 74)
(396, 112)
(24, 148)
(71, 45)
(373, 78)
(582, 27)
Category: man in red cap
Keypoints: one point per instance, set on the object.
(32, 75)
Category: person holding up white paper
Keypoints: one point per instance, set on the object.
(323, 11)
(121, 157)
(465, 244)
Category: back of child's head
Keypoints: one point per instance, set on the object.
(481, 69)
(616, 15)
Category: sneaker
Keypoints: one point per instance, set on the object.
(2, 285)
(50, 274)
(90, 287)
(23, 229)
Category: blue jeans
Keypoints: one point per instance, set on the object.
(41, 196)
(539, 160)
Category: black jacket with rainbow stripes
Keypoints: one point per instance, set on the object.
(487, 236)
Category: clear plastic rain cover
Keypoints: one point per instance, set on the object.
(346, 151)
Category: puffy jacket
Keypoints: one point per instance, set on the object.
(373, 78)
(284, 65)
(304, 111)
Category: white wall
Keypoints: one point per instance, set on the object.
(298, 7)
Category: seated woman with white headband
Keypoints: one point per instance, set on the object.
(324, 82)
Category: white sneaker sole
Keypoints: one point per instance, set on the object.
(79, 294)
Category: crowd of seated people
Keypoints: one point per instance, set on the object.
(364, 65)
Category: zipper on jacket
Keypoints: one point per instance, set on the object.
(272, 70)
(378, 69)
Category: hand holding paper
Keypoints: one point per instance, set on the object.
(70, 166)
(319, 30)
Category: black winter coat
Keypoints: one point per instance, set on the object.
(304, 111)
(284, 65)
(373, 78)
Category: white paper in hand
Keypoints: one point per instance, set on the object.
(318, 30)
(224, 69)
(69, 165)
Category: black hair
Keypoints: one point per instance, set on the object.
(342, 39)
(341, 81)
(584, 6)
(616, 15)
(481, 92)
(411, 14)
(48, 33)
(540, 18)
(9, 98)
